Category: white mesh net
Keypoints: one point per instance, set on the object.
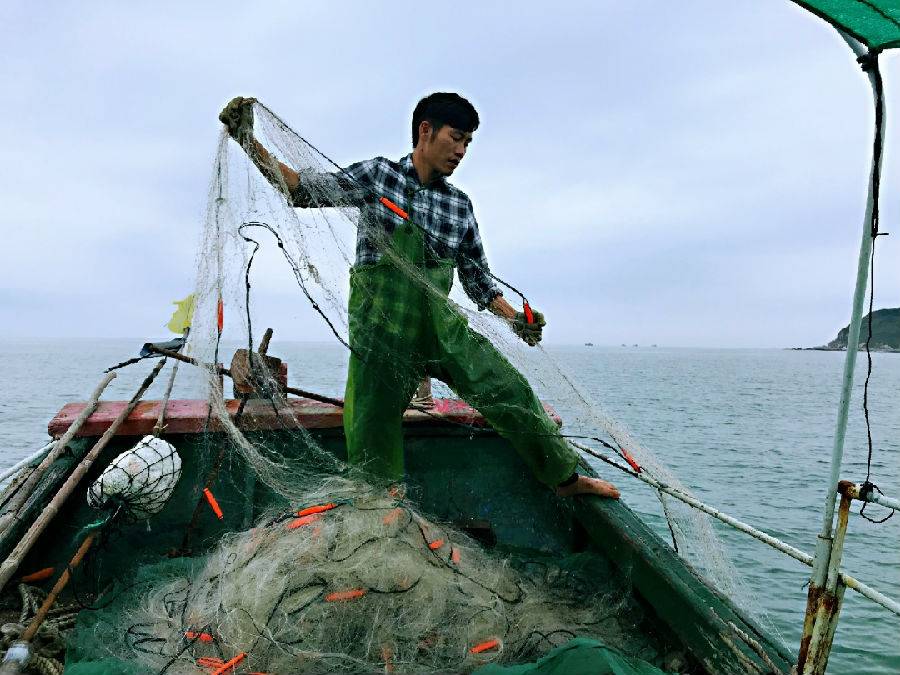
(139, 481)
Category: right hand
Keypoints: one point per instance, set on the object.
(237, 117)
(530, 333)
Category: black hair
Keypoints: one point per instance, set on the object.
(444, 108)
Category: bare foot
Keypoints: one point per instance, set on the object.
(585, 485)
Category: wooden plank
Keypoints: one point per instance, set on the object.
(190, 416)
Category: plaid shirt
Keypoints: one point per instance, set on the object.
(443, 211)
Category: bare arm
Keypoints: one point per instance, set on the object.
(266, 163)
(502, 308)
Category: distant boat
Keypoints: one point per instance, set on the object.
(635, 344)
(654, 345)
(588, 344)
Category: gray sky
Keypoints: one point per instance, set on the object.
(688, 174)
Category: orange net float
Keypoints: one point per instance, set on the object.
(203, 637)
(487, 645)
(393, 207)
(529, 314)
(631, 460)
(455, 555)
(392, 516)
(436, 544)
(344, 596)
(40, 575)
(319, 508)
(213, 504)
(209, 662)
(304, 521)
(229, 665)
(220, 316)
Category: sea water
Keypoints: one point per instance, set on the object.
(748, 431)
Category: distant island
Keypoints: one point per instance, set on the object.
(885, 332)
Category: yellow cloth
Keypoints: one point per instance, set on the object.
(181, 319)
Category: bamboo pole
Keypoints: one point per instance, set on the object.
(159, 426)
(59, 447)
(12, 562)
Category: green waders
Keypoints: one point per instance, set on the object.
(402, 329)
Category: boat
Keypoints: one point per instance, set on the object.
(700, 629)
(685, 621)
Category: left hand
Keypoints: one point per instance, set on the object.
(531, 333)
(237, 117)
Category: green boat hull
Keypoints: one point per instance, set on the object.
(476, 481)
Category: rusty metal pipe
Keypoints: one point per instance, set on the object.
(855, 492)
(813, 658)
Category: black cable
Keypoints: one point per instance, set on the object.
(869, 63)
(297, 275)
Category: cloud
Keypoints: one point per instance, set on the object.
(695, 171)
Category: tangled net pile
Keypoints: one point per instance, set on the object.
(368, 586)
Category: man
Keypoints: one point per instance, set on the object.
(414, 228)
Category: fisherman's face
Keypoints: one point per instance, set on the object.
(444, 149)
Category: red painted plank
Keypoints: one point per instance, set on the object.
(190, 416)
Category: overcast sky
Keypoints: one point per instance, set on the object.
(687, 174)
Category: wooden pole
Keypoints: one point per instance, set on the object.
(225, 371)
(315, 397)
(31, 482)
(159, 426)
(60, 584)
(11, 564)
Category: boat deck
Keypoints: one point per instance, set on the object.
(191, 416)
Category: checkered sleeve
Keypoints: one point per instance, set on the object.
(349, 187)
(472, 266)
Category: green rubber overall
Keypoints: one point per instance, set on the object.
(403, 327)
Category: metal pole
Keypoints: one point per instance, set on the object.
(795, 553)
(777, 544)
(816, 648)
(853, 490)
(823, 545)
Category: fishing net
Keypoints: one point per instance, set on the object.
(372, 584)
(367, 585)
(250, 206)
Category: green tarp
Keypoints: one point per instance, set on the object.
(875, 23)
(579, 656)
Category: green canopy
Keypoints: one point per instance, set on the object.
(875, 23)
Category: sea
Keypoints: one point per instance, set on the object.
(749, 431)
